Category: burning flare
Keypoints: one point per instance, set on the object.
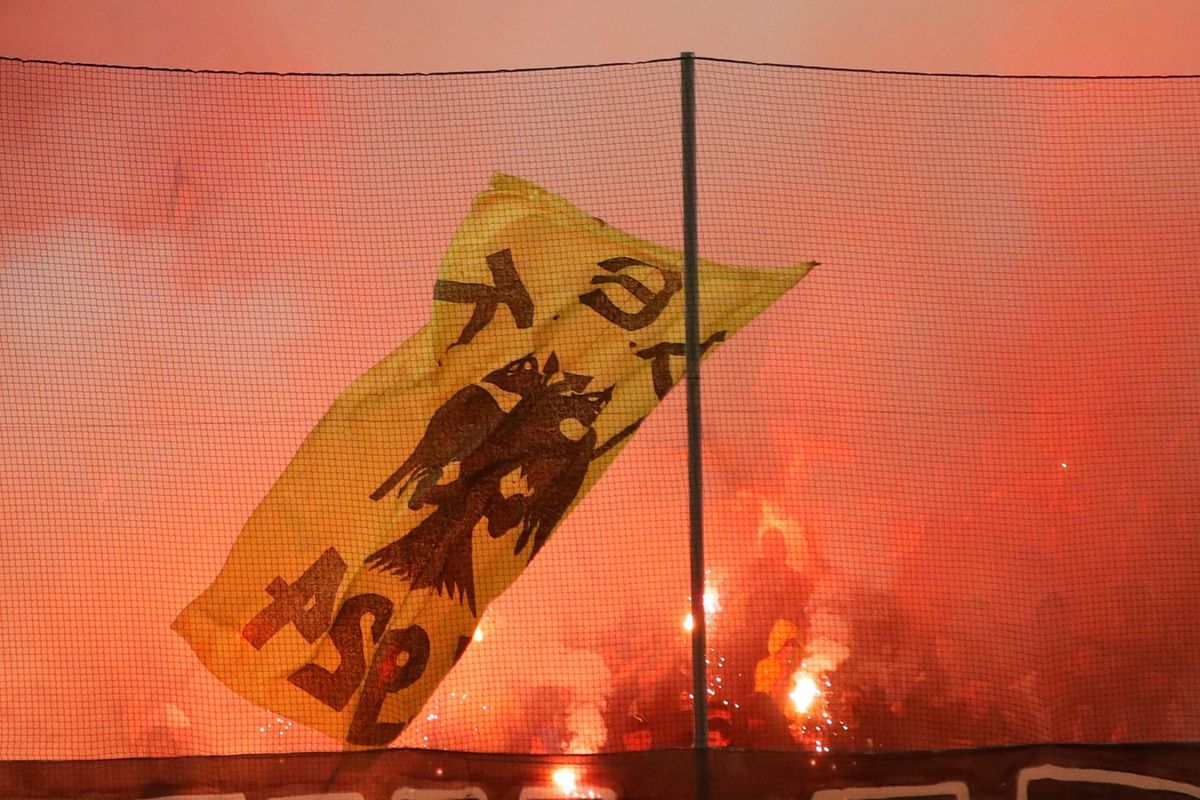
(804, 693)
(566, 780)
(712, 604)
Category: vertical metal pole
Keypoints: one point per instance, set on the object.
(691, 292)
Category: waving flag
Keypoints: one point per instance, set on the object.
(436, 476)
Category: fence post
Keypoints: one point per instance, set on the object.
(691, 291)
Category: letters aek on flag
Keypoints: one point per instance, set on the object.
(435, 477)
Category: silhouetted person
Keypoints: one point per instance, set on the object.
(774, 675)
(719, 732)
(764, 725)
(766, 590)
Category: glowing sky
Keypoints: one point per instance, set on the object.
(1022, 36)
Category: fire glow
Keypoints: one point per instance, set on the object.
(566, 783)
(804, 693)
(566, 780)
(712, 604)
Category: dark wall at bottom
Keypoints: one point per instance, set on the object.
(1102, 772)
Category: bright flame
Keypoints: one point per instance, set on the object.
(478, 634)
(566, 780)
(805, 693)
(712, 604)
(712, 601)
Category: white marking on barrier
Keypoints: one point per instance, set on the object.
(956, 789)
(459, 792)
(1051, 772)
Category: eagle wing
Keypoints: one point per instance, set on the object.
(554, 480)
(436, 554)
(454, 431)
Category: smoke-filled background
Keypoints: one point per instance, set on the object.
(952, 479)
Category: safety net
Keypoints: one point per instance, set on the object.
(300, 372)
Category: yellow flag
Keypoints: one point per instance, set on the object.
(436, 476)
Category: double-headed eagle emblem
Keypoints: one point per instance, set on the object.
(489, 445)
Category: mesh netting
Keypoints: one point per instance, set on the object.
(974, 435)
(952, 479)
